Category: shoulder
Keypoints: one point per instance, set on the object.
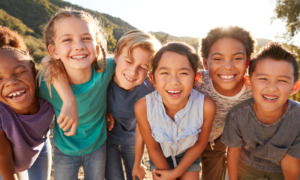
(242, 108)
(140, 104)
(110, 63)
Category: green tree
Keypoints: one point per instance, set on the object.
(289, 11)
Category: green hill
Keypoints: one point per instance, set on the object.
(29, 18)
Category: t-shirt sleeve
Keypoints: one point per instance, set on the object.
(294, 150)
(110, 66)
(231, 135)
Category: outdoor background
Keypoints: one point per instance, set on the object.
(188, 20)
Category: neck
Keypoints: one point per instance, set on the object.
(79, 76)
(269, 117)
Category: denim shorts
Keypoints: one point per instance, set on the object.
(195, 166)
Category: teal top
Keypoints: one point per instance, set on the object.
(91, 98)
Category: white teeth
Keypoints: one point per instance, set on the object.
(128, 78)
(270, 98)
(173, 91)
(16, 93)
(227, 77)
(79, 57)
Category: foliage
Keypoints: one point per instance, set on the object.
(289, 11)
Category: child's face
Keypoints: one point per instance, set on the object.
(74, 44)
(131, 72)
(271, 84)
(226, 63)
(174, 79)
(16, 82)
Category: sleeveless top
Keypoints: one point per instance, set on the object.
(175, 136)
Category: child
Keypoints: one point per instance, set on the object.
(263, 134)
(175, 120)
(75, 43)
(225, 53)
(25, 151)
(133, 57)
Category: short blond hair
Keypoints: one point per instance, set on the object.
(138, 38)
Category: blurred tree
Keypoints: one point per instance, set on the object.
(289, 11)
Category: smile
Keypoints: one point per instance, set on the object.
(79, 57)
(16, 93)
(128, 78)
(227, 77)
(174, 94)
(270, 98)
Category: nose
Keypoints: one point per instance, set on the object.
(272, 86)
(11, 81)
(133, 70)
(79, 45)
(228, 64)
(174, 79)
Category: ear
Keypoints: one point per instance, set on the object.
(296, 87)
(247, 82)
(152, 79)
(205, 63)
(52, 51)
(116, 56)
(197, 77)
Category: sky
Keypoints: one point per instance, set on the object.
(194, 18)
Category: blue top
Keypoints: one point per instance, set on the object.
(121, 106)
(26, 133)
(175, 137)
(263, 146)
(91, 98)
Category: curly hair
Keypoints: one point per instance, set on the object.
(233, 32)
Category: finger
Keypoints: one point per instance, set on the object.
(60, 118)
(72, 131)
(64, 123)
(68, 125)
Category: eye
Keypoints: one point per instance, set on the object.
(87, 38)
(144, 68)
(164, 73)
(238, 58)
(262, 79)
(184, 73)
(282, 80)
(216, 59)
(127, 61)
(66, 40)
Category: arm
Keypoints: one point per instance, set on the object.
(68, 117)
(195, 151)
(233, 156)
(138, 168)
(144, 127)
(7, 169)
(290, 167)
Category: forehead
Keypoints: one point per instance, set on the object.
(171, 59)
(13, 55)
(72, 25)
(227, 45)
(273, 67)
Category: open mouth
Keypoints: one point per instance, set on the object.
(270, 98)
(79, 57)
(17, 96)
(227, 77)
(175, 93)
(128, 78)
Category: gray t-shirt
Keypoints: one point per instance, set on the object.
(263, 146)
(27, 133)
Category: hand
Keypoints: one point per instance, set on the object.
(110, 121)
(164, 174)
(68, 118)
(139, 171)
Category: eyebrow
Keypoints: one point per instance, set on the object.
(217, 53)
(165, 68)
(282, 76)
